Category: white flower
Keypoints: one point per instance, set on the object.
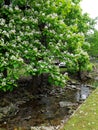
(27, 27)
(11, 9)
(14, 45)
(26, 51)
(1, 74)
(68, 36)
(16, 8)
(13, 57)
(21, 33)
(24, 19)
(61, 35)
(10, 25)
(12, 31)
(18, 38)
(46, 27)
(52, 31)
(4, 32)
(20, 59)
(36, 12)
(43, 14)
(35, 49)
(61, 22)
(54, 15)
(5, 63)
(2, 21)
(3, 83)
(7, 54)
(12, 81)
(5, 6)
(36, 20)
(12, 20)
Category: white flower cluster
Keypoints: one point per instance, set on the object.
(18, 38)
(6, 33)
(6, 6)
(3, 82)
(2, 21)
(61, 22)
(53, 16)
(1, 75)
(24, 19)
(10, 9)
(52, 31)
(5, 63)
(7, 54)
(12, 31)
(37, 5)
(17, 8)
(16, 58)
(2, 42)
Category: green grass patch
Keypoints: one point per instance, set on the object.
(86, 117)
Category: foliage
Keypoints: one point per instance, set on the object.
(93, 40)
(40, 32)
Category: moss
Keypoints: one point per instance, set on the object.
(86, 117)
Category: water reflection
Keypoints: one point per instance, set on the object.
(83, 93)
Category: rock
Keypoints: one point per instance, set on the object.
(10, 110)
(73, 82)
(1, 116)
(43, 128)
(67, 104)
(73, 86)
(27, 118)
(96, 78)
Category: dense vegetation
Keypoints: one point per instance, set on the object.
(34, 34)
(93, 41)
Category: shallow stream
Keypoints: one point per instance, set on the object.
(28, 112)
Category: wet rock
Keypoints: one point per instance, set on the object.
(27, 118)
(73, 82)
(1, 116)
(49, 115)
(96, 78)
(43, 128)
(73, 86)
(67, 104)
(24, 81)
(84, 75)
(4, 102)
(10, 110)
(90, 86)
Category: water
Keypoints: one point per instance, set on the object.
(47, 109)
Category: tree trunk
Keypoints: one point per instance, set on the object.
(5, 73)
(7, 2)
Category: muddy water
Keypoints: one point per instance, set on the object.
(48, 109)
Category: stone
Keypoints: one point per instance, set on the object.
(8, 111)
(43, 128)
(67, 104)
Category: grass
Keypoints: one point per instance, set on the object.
(86, 117)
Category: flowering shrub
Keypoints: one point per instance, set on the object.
(40, 32)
